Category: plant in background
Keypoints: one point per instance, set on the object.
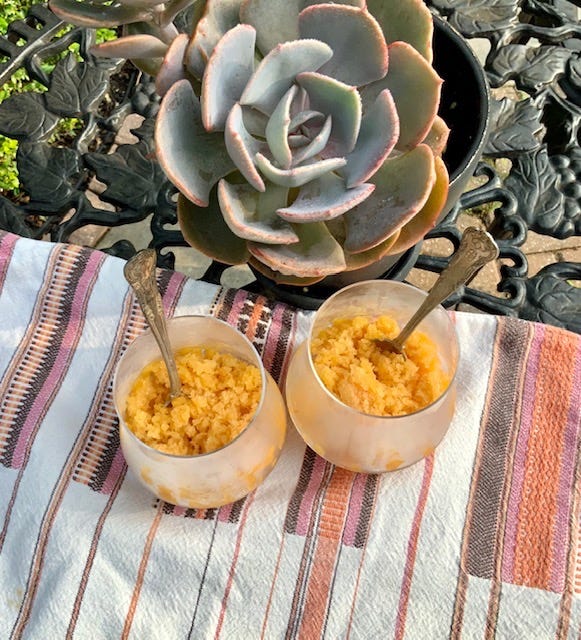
(20, 82)
(148, 25)
(303, 137)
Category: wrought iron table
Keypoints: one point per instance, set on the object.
(533, 43)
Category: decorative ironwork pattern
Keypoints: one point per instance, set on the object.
(534, 46)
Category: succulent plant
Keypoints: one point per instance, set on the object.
(303, 137)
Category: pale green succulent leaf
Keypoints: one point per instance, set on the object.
(437, 137)
(425, 220)
(303, 117)
(276, 72)
(324, 199)
(377, 137)
(342, 103)
(194, 13)
(254, 121)
(172, 68)
(137, 46)
(194, 160)
(371, 256)
(279, 278)
(409, 21)
(85, 14)
(204, 229)
(297, 176)
(278, 127)
(365, 258)
(229, 68)
(243, 147)
(403, 185)
(316, 145)
(150, 65)
(219, 17)
(415, 87)
(276, 21)
(297, 140)
(317, 253)
(300, 103)
(359, 48)
(252, 215)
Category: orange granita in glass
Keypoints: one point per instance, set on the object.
(355, 369)
(220, 395)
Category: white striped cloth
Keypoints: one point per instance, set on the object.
(479, 540)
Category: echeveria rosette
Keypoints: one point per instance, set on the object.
(303, 136)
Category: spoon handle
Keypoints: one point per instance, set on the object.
(475, 250)
(139, 272)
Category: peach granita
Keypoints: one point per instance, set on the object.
(355, 369)
(220, 395)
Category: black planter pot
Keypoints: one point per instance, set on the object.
(465, 107)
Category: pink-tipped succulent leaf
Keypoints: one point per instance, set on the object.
(302, 135)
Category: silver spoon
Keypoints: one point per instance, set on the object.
(475, 250)
(139, 271)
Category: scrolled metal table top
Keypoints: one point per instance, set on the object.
(534, 49)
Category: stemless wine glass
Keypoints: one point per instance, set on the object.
(346, 436)
(221, 476)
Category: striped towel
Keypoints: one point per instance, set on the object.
(480, 540)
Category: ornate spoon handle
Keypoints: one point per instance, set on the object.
(139, 271)
(475, 250)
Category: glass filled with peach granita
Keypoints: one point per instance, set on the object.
(360, 406)
(221, 437)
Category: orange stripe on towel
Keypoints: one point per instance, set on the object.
(330, 532)
(538, 507)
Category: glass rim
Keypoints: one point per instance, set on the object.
(387, 283)
(193, 456)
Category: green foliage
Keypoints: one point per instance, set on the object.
(20, 82)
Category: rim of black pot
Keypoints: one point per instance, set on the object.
(446, 38)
